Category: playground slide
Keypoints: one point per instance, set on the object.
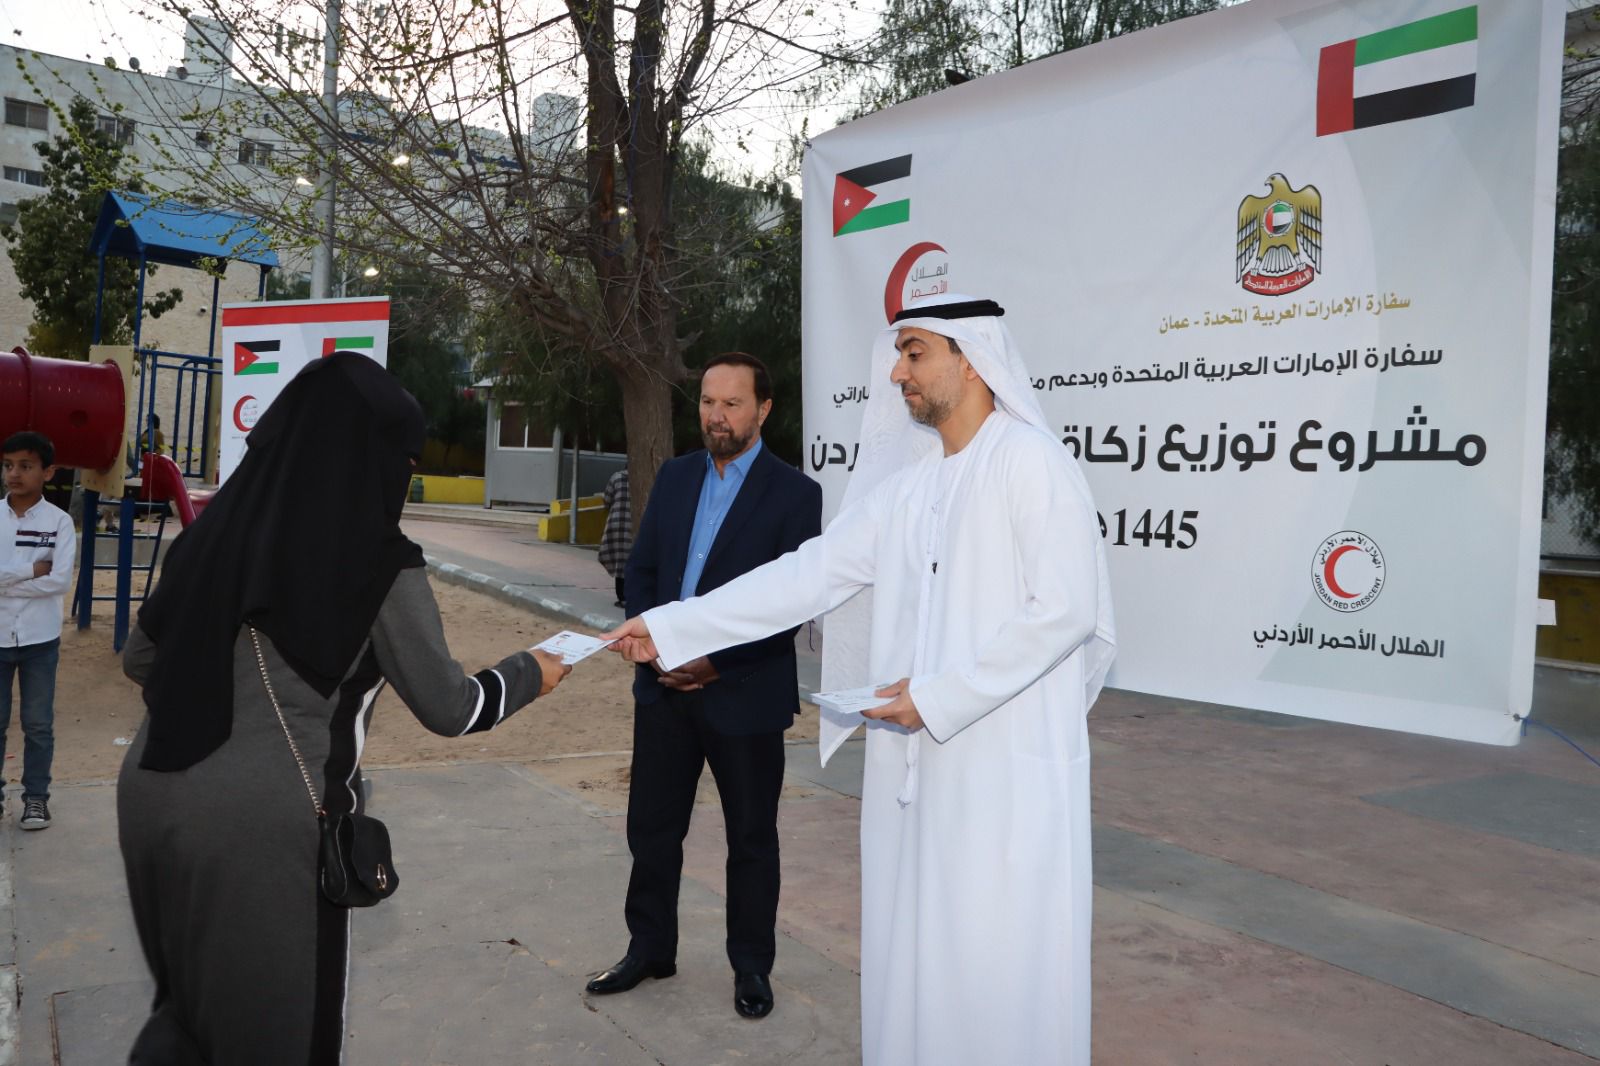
(163, 482)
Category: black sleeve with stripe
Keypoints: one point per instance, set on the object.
(408, 638)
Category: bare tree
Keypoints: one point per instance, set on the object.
(455, 151)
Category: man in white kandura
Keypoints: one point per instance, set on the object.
(989, 601)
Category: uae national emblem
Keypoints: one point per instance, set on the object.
(1280, 238)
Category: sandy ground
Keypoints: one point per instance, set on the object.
(580, 735)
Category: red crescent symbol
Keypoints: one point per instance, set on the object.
(236, 409)
(894, 292)
(1327, 572)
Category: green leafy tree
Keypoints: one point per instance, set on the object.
(430, 328)
(1572, 466)
(49, 243)
(751, 304)
(559, 388)
(739, 241)
(918, 41)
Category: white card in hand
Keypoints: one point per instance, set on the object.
(850, 700)
(573, 647)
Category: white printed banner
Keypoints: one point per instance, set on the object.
(1282, 277)
(266, 344)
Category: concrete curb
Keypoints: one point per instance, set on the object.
(10, 990)
(518, 596)
(1569, 664)
(528, 520)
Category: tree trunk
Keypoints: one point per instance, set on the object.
(647, 412)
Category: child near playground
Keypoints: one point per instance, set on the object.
(37, 545)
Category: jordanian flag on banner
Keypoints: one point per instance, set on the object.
(854, 190)
(1422, 68)
(247, 357)
(364, 345)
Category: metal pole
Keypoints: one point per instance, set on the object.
(119, 629)
(210, 375)
(322, 255)
(147, 367)
(211, 339)
(83, 596)
(572, 525)
(138, 305)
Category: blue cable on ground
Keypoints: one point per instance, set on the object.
(1526, 721)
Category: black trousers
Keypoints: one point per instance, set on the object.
(671, 743)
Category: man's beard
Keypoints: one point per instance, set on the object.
(931, 412)
(725, 445)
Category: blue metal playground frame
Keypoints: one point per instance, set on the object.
(149, 230)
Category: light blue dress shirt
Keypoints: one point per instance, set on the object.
(716, 497)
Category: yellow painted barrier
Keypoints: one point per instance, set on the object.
(431, 488)
(591, 523)
(1576, 635)
(564, 505)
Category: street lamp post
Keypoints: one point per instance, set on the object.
(322, 255)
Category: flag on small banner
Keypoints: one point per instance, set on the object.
(364, 345)
(247, 357)
(1411, 71)
(852, 194)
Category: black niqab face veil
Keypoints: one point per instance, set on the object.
(303, 542)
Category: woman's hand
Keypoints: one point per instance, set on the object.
(551, 670)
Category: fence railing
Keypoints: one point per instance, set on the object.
(188, 429)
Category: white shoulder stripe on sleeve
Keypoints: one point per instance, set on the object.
(477, 710)
(501, 716)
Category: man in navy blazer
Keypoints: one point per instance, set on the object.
(713, 515)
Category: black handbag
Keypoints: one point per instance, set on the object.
(355, 867)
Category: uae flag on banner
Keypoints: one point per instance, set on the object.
(854, 190)
(1422, 68)
(330, 345)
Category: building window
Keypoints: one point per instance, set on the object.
(255, 153)
(27, 114)
(25, 177)
(202, 138)
(8, 214)
(516, 430)
(119, 130)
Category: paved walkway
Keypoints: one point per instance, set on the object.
(1269, 890)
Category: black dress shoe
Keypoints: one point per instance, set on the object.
(752, 995)
(629, 972)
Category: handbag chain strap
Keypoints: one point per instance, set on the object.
(261, 661)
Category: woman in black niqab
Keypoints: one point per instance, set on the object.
(303, 542)
(214, 818)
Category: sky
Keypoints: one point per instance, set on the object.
(96, 29)
(79, 29)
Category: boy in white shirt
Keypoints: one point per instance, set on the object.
(37, 551)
